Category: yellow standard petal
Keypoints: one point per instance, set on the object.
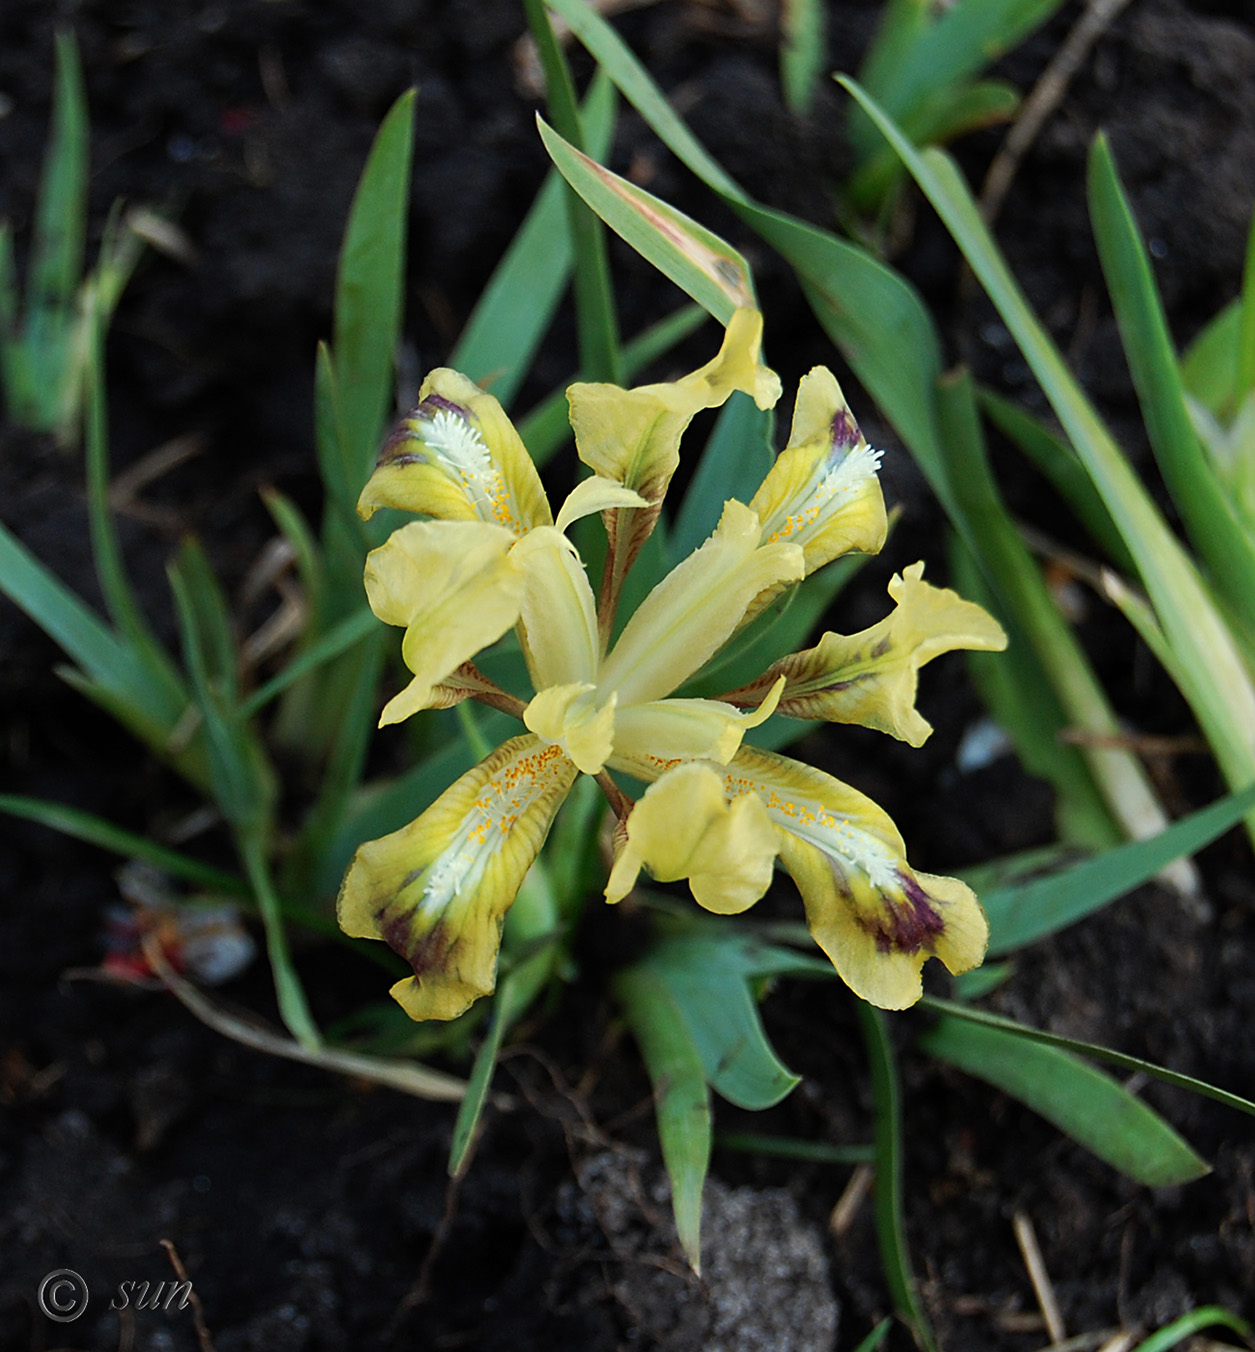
(633, 436)
(457, 457)
(569, 716)
(871, 677)
(454, 587)
(437, 890)
(558, 617)
(651, 738)
(595, 494)
(876, 918)
(822, 493)
(692, 612)
(684, 827)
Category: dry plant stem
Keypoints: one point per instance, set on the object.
(852, 1198)
(612, 575)
(1122, 1342)
(1026, 1238)
(1085, 1342)
(619, 802)
(409, 1079)
(198, 1312)
(1141, 744)
(500, 699)
(527, 71)
(1045, 97)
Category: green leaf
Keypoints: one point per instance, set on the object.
(1087, 1105)
(1023, 597)
(1214, 527)
(1214, 678)
(370, 289)
(1190, 1323)
(1091, 1050)
(875, 1339)
(981, 981)
(528, 956)
(921, 60)
(95, 830)
(1057, 461)
(1209, 367)
(945, 115)
(681, 1099)
(163, 686)
(243, 781)
(1015, 689)
(790, 1148)
(895, 1257)
(707, 976)
(1019, 915)
(638, 87)
(694, 258)
(343, 635)
(61, 213)
(596, 318)
(802, 52)
(516, 307)
(879, 322)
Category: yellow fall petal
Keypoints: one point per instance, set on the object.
(692, 612)
(457, 457)
(651, 738)
(822, 493)
(876, 919)
(454, 587)
(871, 677)
(569, 717)
(683, 827)
(438, 889)
(558, 614)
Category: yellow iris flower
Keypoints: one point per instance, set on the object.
(491, 556)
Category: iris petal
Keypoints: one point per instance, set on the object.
(457, 457)
(568, 716)
(684, 827)
(871, 677)
(558, 613)
(438, 889)
(692, 612)
(822, 493)
(633, 436)
(650, 738)
(877, 919)
(454, 587)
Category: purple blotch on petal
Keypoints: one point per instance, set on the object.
(845, 433)
(425, 953)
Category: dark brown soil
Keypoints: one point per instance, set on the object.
(312, 1213)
